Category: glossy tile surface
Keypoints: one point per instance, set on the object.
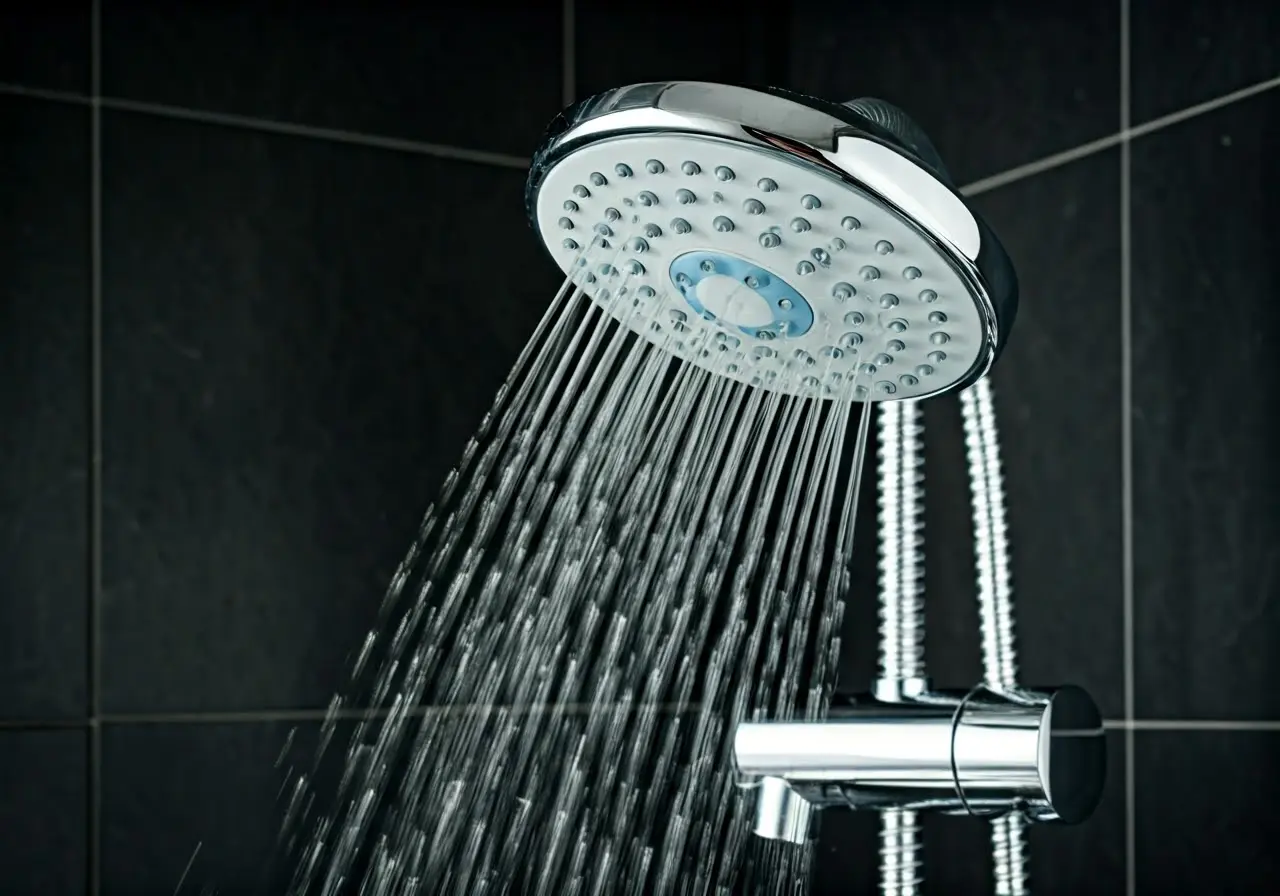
(44, 409)
(43, 802)
(995, 83)
(299, 338)
(482, 76)
(47, 47)
(1209, 49)
(1206, 482)
(1206, 817)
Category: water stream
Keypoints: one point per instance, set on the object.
(633, 555)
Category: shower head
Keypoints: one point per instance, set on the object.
(798, 245)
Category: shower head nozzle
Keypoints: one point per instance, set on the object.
(797, 245)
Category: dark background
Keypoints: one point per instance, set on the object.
(262, 272)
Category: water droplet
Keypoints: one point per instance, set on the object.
(767, 184)
(691, 168)
(724, 173)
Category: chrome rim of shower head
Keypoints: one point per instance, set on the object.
(778, 240)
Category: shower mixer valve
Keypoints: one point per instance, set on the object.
(1038, 753)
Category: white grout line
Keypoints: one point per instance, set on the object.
(977, 187)
(1240, 726)
(1126, 133)
(569, 54)
(95, 771)
(1186, 725)
(1126, 450)
(244, 122)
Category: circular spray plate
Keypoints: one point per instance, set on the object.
(760, 269)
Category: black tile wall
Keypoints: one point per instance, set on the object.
(319, 327)
(1209, 49)
(194, 806)
(299, 333)
(44, 409)
(42, 812)
(994, 86)
(483, 76)
(1206, 820)
(46, 48)
(1206, 384)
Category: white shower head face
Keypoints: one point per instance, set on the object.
(761, 268)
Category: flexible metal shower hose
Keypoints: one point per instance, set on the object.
(901, 504)
(901, 500)
(995, 603)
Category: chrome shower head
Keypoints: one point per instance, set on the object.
(794, 244)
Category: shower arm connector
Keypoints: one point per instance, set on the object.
(1037, 753)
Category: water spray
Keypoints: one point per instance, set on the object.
(816, 249)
